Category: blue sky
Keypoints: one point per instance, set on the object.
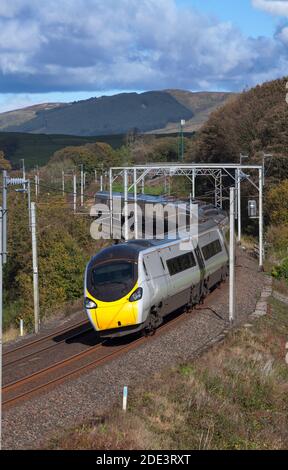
(66, 50)
(251, 21)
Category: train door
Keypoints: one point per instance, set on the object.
(201, 265)
(155, 276)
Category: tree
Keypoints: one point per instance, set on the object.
(277, 204)
(4, 164)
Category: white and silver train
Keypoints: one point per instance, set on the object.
(133, 285)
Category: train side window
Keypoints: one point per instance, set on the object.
(181, 263)
(211, 249)
(162, 262)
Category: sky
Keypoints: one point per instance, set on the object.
(67, 50)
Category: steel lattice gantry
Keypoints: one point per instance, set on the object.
(135, 175)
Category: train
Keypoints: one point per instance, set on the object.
(132, 286)
(147, 222)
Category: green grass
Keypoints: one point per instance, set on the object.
(11, 314)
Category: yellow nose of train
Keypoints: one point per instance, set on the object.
(112, 290)
(111, 315)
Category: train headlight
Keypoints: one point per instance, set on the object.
(137, 295)
(88, 303)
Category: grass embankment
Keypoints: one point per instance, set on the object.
(233, 397)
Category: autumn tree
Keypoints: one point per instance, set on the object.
(4, 164)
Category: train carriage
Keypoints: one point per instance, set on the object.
(133, 285)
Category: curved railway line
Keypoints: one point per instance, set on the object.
(42, 380)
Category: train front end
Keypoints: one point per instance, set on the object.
(112, 296)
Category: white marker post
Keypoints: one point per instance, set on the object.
(232, 258)
(125, 397)
(21, 327)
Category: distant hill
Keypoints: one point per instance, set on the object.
(20, 116)
(153, 111)
(202, 104)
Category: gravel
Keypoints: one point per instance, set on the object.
(31, 424)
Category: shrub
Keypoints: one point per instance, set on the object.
(281, 271)
(277, 204)
(277, 236)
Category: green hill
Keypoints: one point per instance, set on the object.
(153, 111)
(108, 115)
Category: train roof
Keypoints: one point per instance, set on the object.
(149, 198)
(210, 218)
(130, 250)
(205, 210)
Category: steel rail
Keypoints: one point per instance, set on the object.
(29, 378)
(74, 358)
(49, 347)
(44, 338)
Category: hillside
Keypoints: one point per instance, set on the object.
(202, 104)
(37, 149)
(20, 116)
(148, 112)
(250, 123)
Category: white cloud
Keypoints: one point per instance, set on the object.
(275, 7)
(68, 45)
(283, 35)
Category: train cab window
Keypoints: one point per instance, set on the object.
(211, 249)
(112, 273)
(181, 263)
(112, 280)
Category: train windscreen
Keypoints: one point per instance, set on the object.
(113, 280)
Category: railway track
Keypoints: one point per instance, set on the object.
(19, 351)
(44, 338)
(55, 374)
